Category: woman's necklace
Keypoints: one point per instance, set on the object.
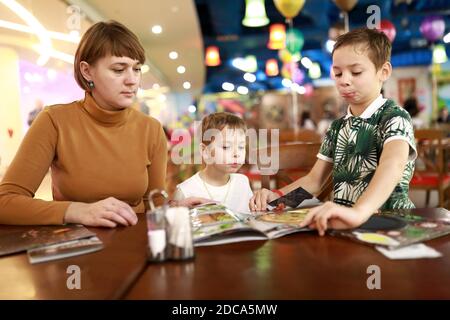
(209, 193)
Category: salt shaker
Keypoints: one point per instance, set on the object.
(156, 229)
(180, 242)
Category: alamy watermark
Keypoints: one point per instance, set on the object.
(374, 280)
(73, 22)
(74, 280)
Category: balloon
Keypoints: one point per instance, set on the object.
(298, 75)
(293, 72)
(286, 71)
(294, 40)
(285, 56)
(346, 5)
(289, 8)
(432, 27)
(388, 29)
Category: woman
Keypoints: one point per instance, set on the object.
(104, 156)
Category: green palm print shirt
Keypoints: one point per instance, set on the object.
(354, 146)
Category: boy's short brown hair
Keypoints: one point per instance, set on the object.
(102, 39)
(220, 120)
(375, 42)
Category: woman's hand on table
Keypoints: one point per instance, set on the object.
(333, 216)
(261, 198)
(109, 212)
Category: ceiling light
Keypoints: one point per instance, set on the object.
(242, 90)
(192, 108)
(181, 69)
(298, 88)
(277, 36)
(315, 72)
(157, 29)
(250, 77)
(447, 38)
(71, 37)
(255, 14)
(306, 62)
(187, 85)
(212, 56)
(251, 63)
(227, 86)
(439, 54)
(173, 55)
(145, 68)
(33, 23)
(329, 45)
(272, 67)
(286, 83)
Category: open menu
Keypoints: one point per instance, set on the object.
(398, 229)
(215, 224)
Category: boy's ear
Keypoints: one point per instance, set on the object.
(203, 151)
(386, 71)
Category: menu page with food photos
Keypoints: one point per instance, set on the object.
(215, 224)
(397, 229)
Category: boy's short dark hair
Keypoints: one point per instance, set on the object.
(220, 120)
(375, 42)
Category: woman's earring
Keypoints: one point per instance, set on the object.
(91, 84)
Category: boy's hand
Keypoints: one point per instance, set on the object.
(260, 199)
(190, 202)
(334, 216)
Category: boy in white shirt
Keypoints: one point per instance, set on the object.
(223, 141)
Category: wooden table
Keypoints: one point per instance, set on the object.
(299, 266)
(105, 274)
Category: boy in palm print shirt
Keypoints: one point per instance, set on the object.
(370, 152)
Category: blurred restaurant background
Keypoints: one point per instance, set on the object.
(266, 61)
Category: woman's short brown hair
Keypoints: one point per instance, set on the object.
(106, 38)
(220, 120)
(375, 42)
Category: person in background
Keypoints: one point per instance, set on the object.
(444, 116)
(105, 157)
(412, 107)
(39, 106)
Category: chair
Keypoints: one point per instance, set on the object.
(431, 171)
(294, 161)
(301, 135)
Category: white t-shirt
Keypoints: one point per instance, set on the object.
(235, 194)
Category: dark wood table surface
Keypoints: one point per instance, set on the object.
(105, 274)
(298, 266)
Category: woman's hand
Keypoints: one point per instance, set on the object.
(190, 202)
(334, 216)
(109, 212)
(260, 199)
